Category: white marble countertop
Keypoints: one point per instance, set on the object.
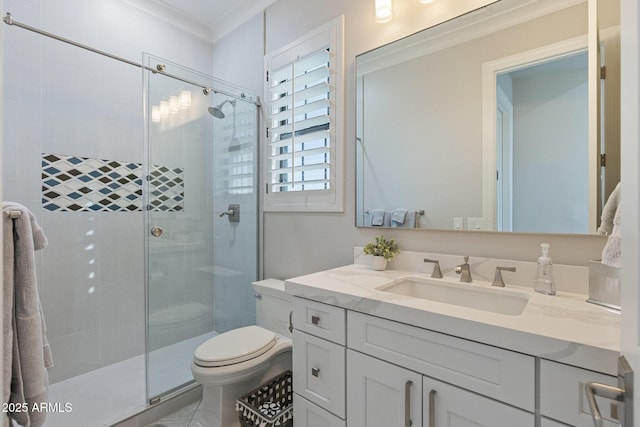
(562, 328)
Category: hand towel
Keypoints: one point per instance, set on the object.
(609, 211)
(410, 220)
(377, 217)
(398, 216)
(612, 251)
(26, 353)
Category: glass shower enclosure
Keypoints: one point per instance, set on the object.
(201, 227)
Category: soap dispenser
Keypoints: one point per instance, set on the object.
(544, 282)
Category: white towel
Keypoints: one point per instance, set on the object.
(377, 217)
(26, 352)
(609, 211)
(612, 251)
(410, 220)
(398, 216)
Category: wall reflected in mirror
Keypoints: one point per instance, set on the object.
(483, 122)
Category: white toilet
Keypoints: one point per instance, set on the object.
(233, 363)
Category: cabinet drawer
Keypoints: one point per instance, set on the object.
(322, 320)
(500, 374)
(453, 406)
(562, 395)
(319, 372)
(306, 414)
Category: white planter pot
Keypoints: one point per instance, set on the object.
(379, 263)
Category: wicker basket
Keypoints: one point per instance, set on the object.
(278, 391)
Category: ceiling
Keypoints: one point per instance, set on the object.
(214, 18)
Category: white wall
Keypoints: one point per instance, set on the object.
(298, 243)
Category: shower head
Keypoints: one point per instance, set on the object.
(217, 110)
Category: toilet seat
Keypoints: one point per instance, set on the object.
(235, 346)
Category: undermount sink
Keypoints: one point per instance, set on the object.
(460, 294)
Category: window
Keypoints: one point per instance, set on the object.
(304, 144)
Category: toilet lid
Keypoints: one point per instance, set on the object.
(235, 346)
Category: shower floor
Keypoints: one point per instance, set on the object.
(110, 394)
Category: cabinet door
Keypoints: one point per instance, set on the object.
(454, 407)
(562, 395)
(319, 372)
(381, 394)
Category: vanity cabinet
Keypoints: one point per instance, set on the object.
(358, 370)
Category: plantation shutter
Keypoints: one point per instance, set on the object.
(303, 153)
(299, 138)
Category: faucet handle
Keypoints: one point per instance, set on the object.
(497, 278)
(437, 273)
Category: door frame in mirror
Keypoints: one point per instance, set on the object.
(490, 71)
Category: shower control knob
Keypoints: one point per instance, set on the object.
(156, 231)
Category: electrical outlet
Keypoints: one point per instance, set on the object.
(458, 223)
(474, 223)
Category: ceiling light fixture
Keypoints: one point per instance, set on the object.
(384, 11)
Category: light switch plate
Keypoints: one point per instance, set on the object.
(458, 223)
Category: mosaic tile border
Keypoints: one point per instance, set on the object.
(81, 184)
(166, 189)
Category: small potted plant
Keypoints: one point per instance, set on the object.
(383, 250)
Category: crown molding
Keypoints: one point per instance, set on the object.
(235, 15)
(240, 13)
(173, 16)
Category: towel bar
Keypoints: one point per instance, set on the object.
(419, 212)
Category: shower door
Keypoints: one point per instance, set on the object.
(201, 217)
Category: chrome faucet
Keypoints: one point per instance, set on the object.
(437, 273)
(497, 279)
(464, 272)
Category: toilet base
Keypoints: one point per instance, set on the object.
(218, 406)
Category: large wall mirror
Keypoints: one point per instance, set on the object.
(497, 120)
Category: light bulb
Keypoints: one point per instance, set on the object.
(185, 99)
(384, 11)
(164, 109)
(155, 114)
(174, 104)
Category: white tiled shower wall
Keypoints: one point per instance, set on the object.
(62, 100)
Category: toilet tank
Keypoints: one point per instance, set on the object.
(273, 306)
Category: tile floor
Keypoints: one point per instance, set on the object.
(184, 417)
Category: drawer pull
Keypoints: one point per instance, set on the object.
(291, 322)
(407, 403)
(604, 390)
(315, 319)
(622, 393)
(432, 408)
(315, 372)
